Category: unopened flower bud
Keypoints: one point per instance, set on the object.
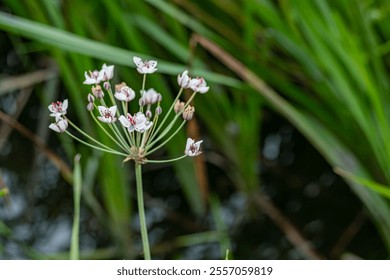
(90, 106)
(91, 99)
(106, 85)
(158, 110)
(148, 114)
(141, 102)
(183, 79)
(178, 106)
(188, 113)
(97, 91)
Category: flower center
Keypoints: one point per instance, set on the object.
(193, 148)
(132, 120)
(57, 106)
(107, 114)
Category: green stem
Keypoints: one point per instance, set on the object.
(108, 150)
(126, 149)
(167, 114)
(166, 160)
(141, 211)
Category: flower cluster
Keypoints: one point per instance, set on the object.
(135, 134)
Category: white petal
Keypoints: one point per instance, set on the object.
(120, 96)
(124, 121)
(189, 143)
(112, 110)
(137, 61)
(197, 144)
(62, 125)
(54, 127)
(148, 125)
(203, 89)
(102, 109)
(65, 105)
(152, 66)
(89, 80)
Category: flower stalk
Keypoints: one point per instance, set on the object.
(141, 211)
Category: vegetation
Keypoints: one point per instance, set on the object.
(322, 65)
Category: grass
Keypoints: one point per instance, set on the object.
(323, 65)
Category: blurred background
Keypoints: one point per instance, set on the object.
(299, 95)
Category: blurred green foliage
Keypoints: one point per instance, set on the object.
(324, 64)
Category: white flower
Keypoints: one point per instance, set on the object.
(151, 96)
(107, 114)
(92, 78)
(138, 122)
(192, 147)
(58, 108)
(106, 73)
(145, 67)
(198, 85)
(60, 125)
(125, 94)
(183, 79)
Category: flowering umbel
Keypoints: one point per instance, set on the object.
(140, 133)
(137, 134)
